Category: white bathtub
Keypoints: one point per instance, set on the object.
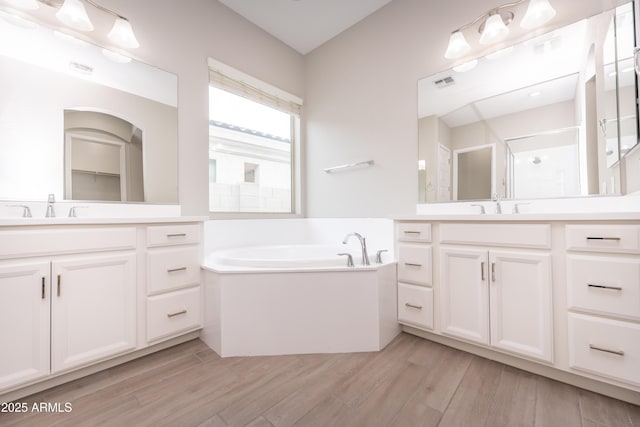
(284, 256)
(295, 300)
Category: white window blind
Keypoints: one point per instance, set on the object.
(238, 87)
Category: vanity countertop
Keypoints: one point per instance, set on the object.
(26, 222)
(544, 217)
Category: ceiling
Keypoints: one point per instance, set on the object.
(304, 24)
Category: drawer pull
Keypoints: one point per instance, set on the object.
(615, 288)
(616, 239)
(410, 264)
(177, 235)
(606, 350)
(173, 270)
(417, 307)
(177, 313)
(411, 232)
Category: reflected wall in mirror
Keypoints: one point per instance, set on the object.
(55, 89)
(558, 113)
(103, 158)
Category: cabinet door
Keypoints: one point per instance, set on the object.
(93, 310)
(521, 314)
(24, 322)
(465, 294)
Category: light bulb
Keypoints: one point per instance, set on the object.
(538, 13)
(458, 46)
(73, 14)
(494, 29)
(122, 34)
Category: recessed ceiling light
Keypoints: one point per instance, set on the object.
(534, 94)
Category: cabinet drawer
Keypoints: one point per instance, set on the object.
(179, 234)
(414, 232)
(172, 268)
(414, 264)
(605, 285)
(415, 305)
(536, 236)
(606, 347)
(603, 238)
(174, 312)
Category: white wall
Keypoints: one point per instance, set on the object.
(361, 101)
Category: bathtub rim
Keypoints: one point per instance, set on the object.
(234, 269)
(210, 264)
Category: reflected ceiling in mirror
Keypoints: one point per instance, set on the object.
(566, 79)
(43, 73)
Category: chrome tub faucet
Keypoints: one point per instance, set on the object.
(363, 245)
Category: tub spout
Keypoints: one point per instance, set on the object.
(363, 245)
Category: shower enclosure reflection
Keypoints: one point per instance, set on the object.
(544, 165)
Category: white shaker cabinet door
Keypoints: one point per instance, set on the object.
(520, 300)
(24, 322)
(93, 309)
(464, 294)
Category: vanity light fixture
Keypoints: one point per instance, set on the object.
(494, 25)
(74, 14)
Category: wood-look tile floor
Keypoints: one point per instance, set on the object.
(413, 382)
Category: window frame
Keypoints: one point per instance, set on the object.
(252, 83)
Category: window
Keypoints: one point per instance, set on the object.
(250, 172)
(252, 147)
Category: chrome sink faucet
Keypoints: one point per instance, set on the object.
(51, 213)
(363, 245)
(496, 198)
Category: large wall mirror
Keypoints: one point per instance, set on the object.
(82, 122)
(554, 116)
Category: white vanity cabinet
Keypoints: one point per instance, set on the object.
(497, 297)
(415, 275)
(554, 295)
(500, 298)
(603, 294)
(64, 311)
(74, 296)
